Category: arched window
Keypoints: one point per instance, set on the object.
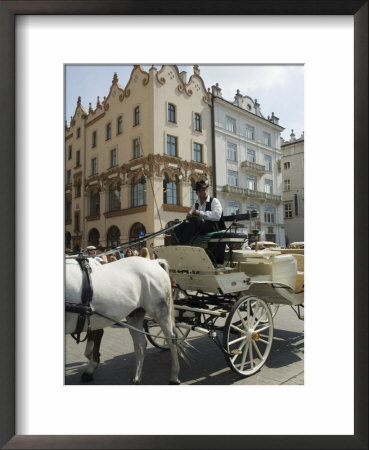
(193, 196)
(114, 197)
(68, 240)
(93, 237)
(171, 112)
(138, 192)
(94, 203)
(171, 190)
(120, 125)
(113, 236)
(138, 231)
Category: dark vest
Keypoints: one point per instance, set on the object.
(221, 224)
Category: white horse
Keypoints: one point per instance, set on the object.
(124, 289)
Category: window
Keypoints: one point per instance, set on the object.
(251, 182)
(197, 122)
(113, 236)
(287, 185)
(138, 231)
(113, 158)
(232, 151)
(94, 138)
(268, 186)
(138, 192)
(197, 152)
(171, 113)
(232, 178)
(69, 177)
(288, 210)
(93, 166)
(114, 197)
(231, 124)
(287, 165)
(120, 125)
(266, 139)
(93, 237)
(108, 131)
(77, 189)
(136, 118)
(250, 155)
(269, 214)
(233, 208)
(268, 163)
(78, 158)
(70, 152)
(171, 190)
(78, 132)
(68, 210)
(94, 203)
(250, 132)
(171, 145)
(136, 148)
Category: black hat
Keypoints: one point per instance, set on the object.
(201, 185)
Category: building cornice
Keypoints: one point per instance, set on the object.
(247, 113)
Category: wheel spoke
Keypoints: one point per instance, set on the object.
(262, 340)
(262, 329)
(237, 340)
(250, 353)
(242, 319)
(257, 350)
(239, 348)
(240, 330)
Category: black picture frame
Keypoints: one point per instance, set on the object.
(8, 10)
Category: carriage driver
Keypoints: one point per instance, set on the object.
(205, 216)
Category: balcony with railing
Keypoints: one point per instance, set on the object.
(250, 193)
(252, 167)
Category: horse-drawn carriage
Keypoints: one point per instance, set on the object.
(230, 295)
(231, 298)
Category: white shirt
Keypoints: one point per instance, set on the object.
(216, 209)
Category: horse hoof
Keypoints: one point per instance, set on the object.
(175, 382)
(135, 382)
(87, 377)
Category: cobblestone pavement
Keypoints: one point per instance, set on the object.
(285, 364)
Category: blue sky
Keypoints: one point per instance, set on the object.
(278, 88)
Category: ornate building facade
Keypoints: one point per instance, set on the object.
(248, 163)
(293, 187)
(132, 160)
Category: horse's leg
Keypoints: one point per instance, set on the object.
(135, 319)
(92, 353)
(165, 323)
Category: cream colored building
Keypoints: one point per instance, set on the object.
(131, 160)
(293, 187)
(247, 163)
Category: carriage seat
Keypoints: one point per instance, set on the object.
(215, 242)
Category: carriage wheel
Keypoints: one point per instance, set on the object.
(248, 335)
(153, 328)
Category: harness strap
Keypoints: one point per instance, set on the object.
(85, 309)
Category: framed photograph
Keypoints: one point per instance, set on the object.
(37, 39)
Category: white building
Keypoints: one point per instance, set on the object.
(293, 187)
(248, 163)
